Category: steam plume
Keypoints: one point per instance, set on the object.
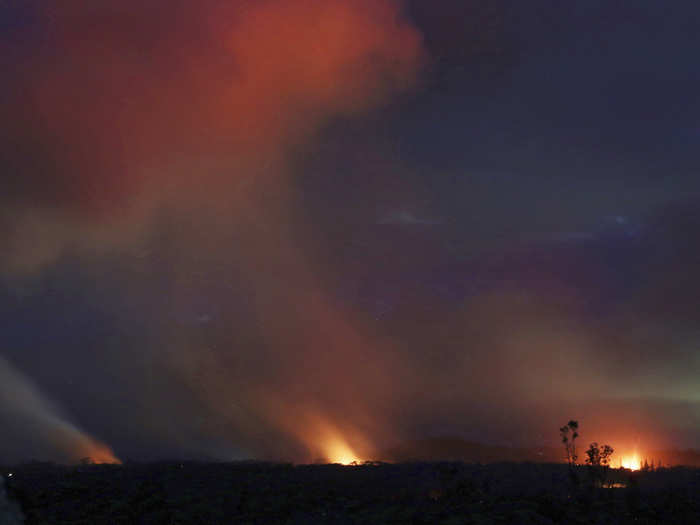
(36, 420)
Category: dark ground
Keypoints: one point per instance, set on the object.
(429, 493)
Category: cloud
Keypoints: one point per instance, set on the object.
(119, 108)
(146, 160)
(405, 217)
(147, 143)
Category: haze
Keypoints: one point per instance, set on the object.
(321, 229)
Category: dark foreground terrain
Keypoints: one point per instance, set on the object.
(430, 493)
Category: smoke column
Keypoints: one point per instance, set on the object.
(30, 414)
(128, 121)
(157, 231)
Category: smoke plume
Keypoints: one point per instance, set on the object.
(35, 422)
(157, 134)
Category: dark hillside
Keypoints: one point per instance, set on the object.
(260, 493)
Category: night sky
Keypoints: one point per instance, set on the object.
(301, 229)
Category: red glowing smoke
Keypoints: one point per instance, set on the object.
(191, 107)
(115, 93)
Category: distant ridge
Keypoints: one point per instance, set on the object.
(457, 449)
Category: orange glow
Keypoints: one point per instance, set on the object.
(283, 85)
(94, 452)
(102, 454)
(631, 461)
(338, 451)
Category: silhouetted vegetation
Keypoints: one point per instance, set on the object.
(375, 493)
(568, 434)
(598, 461)
(450, 448)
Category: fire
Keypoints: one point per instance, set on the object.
(338, 451)
(631, 461)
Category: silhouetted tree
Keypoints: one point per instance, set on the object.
(599, 456)
(598, 459)
(569, 433)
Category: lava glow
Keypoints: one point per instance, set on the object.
(103, 455)
(631, 461)
(337, 451)
(97, 453)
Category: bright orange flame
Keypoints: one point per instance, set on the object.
(338, 451)
(631, 461)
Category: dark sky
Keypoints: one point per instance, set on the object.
(296, 230)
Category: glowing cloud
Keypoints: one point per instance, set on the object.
(123, 108)
(125, 113)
